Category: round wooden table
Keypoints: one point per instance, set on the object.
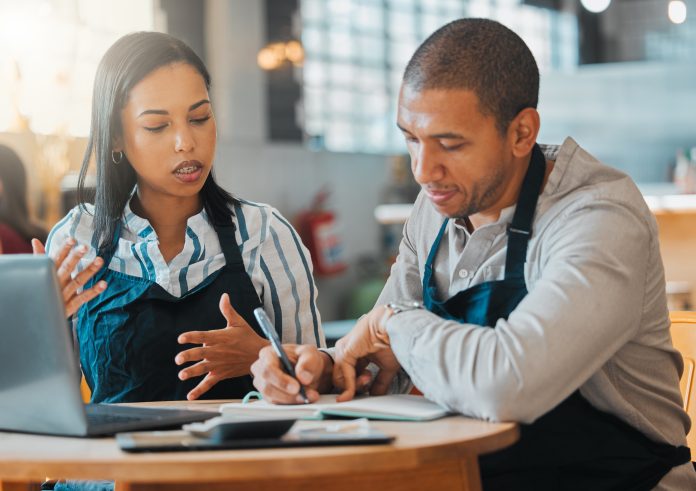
(441, 454)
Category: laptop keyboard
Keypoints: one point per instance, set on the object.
(108, 418)
(104, 418)
(101, 414)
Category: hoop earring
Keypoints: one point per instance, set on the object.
(114, 159)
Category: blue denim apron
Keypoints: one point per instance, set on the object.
(127, 336)
(574, 446)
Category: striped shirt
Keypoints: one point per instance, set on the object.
(275, 259)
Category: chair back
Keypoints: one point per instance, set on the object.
(85, 391)
(683, 332)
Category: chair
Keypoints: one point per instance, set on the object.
(684, 338)
(85, 391)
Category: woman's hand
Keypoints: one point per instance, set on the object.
(66, 261)
(225, 353)
(312, 367)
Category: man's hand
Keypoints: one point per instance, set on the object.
(224, 353)
(366, 342)
(312, 367)
(66, 261)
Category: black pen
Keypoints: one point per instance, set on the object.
(270, 333)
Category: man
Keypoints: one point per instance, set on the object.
(541, 282)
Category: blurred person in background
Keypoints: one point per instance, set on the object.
(16, 227)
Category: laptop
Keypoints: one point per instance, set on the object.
(39, 369)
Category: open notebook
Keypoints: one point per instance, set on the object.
(400, 407)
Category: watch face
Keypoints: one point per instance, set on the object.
(406, 305)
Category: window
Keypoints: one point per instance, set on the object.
(356, 51)
(49, 51)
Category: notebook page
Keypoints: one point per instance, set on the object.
(401, 406)
(263, 408)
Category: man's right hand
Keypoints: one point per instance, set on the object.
(312, 367)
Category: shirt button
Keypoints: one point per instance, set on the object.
(463, 273)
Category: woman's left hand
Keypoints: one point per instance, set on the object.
(224, 353)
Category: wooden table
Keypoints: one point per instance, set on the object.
(439, 454)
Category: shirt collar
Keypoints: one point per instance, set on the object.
(141, 227)
(561, 155)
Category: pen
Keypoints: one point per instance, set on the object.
(270, 333)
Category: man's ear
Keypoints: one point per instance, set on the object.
(523, 131)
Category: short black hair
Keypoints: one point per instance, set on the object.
(129, 60)
(483, 56)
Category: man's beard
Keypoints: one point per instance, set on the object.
(482, 196)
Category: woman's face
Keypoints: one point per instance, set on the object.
(169, 132)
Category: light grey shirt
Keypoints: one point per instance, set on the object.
(595, 317)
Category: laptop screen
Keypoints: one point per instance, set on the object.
(39, 371)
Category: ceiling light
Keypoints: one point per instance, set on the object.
(596, 6)
(676, 11)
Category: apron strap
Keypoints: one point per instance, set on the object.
(520, 230)
(428, 274)
(228, 244)
(106, 257)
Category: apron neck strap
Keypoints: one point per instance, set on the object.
(520, 230)
(114, 246)
(427, 276)
(228, 244)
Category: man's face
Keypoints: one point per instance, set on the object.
(458, 155)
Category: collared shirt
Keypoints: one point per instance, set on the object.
(595, 317)
(276, 261)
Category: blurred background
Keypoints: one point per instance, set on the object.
(304, 93)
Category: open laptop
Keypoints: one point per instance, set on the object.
(39, 371)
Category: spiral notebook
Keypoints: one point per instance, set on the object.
(400, 407)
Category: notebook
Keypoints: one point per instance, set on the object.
(39, 370)
(401, 407)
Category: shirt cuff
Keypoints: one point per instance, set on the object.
(403, 329)
(331, 352)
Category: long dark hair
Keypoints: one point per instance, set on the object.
(125, 63)
(14, 210)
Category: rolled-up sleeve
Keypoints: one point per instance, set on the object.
(586, 303)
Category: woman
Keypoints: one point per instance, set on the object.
(16, 229)
(185, 262)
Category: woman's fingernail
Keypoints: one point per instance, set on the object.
(71, 241)
(292, 387)
(102, 285)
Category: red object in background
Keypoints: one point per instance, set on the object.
(11, 242)
(318, 229)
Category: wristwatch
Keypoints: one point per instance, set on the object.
(392, 309)
(404, 306)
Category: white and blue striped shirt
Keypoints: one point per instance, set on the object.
(276, 260)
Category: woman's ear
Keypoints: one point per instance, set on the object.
(523, 131)
(117, 144)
